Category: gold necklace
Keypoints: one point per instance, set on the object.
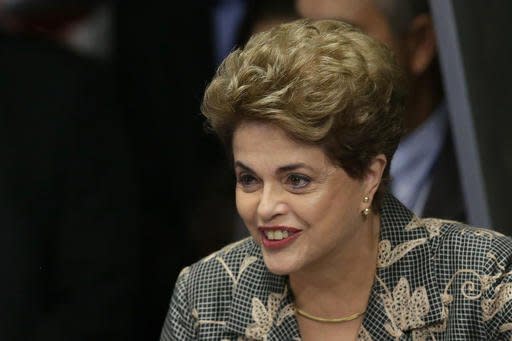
(328, 320)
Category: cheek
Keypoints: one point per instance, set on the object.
(245, 205)
(330, 210)
(318, 206)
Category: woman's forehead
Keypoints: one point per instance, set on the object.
(260, 144)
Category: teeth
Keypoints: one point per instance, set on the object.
(276, 235)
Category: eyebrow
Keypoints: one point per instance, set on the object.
(244, 167)
(282, 169)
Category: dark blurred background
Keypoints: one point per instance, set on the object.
(109, 184)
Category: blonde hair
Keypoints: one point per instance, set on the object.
(324, 82)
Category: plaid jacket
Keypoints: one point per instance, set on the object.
(435, 280)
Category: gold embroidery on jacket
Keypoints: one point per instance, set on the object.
(264, 317)
(491, 307)
(387, 257)
(364, 335)
(404, 310)
(432, 225)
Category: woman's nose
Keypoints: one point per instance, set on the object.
(271, 203)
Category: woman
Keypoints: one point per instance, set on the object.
(311, 112)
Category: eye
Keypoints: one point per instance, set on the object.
(298, 181)
(247, 181)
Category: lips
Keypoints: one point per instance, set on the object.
(274, 237)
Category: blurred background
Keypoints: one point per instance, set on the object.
(109, 184)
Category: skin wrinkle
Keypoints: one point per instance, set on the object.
(320, 206)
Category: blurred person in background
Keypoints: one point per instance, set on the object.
(261, 15)
(67, 196)
(84, 26)
(424, 172)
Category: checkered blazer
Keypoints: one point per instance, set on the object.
(435, 280)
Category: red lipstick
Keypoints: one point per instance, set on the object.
(293, 233)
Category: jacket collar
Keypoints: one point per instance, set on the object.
(405, 294)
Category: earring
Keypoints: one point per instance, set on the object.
(366, 199)
(365, 212)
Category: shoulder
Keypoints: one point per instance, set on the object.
(469, 243)
(473, 270)
(204, 289)
(220, 269)
(459, 240)
(231, 254)
(482, 259)
(457, 248)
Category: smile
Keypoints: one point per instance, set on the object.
(278, 236)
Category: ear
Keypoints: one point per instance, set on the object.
(421, 44)
(373, 175)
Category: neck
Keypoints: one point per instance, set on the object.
(341, 285)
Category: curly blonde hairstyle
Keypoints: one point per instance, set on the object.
(324, 82)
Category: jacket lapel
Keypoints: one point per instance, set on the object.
(405, 295)
(261, 307)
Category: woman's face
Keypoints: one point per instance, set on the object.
(302, 209)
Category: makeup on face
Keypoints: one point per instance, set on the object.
(275, 237)
(296, 203)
